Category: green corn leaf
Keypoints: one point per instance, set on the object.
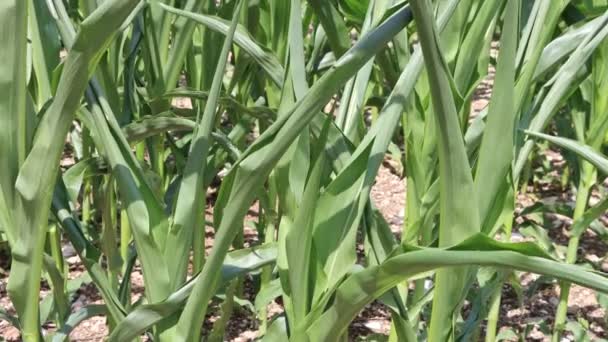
(35, 182)
(182, 35)
(241, 184)
(336, 219)
(333, 25)
(263, 57)
(45, 49)
(584, 151)
(560, 47)
(496, 149)
(236, 264)
(88, 253)
(190, 203)
(300, 239)
(74, 176)
(13, 14)
(537, 32)
(349, 117)
(298, 161)
(363, 287)
(561, 85)
(227, 101)
(473, 43)
(456, 28)
(267, 294)
(579, 226)
(459, 216)
(147, 218)
(598, 120)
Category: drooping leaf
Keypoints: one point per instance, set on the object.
(363, 287)
(263, 57)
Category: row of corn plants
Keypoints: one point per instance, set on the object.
(293, 106)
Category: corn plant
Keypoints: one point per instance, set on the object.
(280, 94)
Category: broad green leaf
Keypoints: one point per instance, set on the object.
(459, 216)
(363, 287)
(299, 240)
(151, 126)
(337, 218)
(354, 9)
(13, 37)
(560, 47)
(496, 149)
(299, 163)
